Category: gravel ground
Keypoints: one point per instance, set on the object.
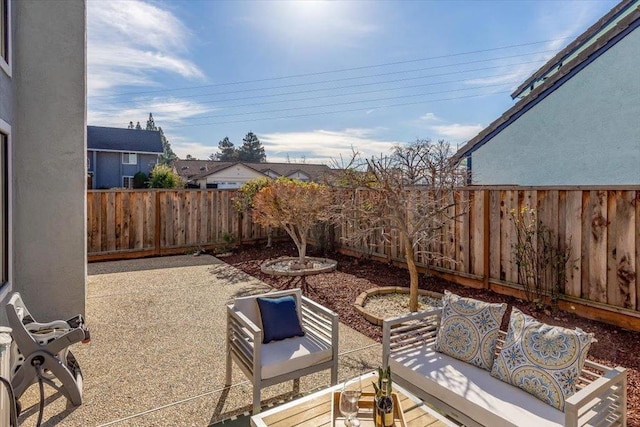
(393, 305)
(338, 291)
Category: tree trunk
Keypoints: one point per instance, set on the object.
(302, 251)
(413, 276)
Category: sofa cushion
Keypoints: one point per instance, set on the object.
(281, 357)
(541, 359)
(279, 318)
(469, 329)
(471, 390)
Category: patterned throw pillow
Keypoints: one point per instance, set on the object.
(469, 329)
(541, 359)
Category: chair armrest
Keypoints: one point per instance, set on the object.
(244, 338)
(602, 402)
(411, 330)
(319, 321)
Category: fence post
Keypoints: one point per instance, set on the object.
(487, 239)
(157, 248)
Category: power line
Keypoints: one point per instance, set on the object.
(347, 103)
(317, 73)
(353, 78)
(341, 111)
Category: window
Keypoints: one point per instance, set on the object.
(129, 158)
(5, 33)
(127, 181)
(4, 208)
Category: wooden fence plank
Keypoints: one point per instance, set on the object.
(622, 291)
(585, 245)
(495, 214)
(465, 242)
(149, 220)
(507, 235)
(613, 295)
(598, 247)
(573, 240)
(126, 217)
(478, 234)
(637, 204)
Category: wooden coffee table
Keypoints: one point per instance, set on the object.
(315, 410)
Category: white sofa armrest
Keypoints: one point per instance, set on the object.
(603, 401)
(407, 331)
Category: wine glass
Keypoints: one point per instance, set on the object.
(349, 397)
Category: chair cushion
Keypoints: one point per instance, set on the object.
(471, 390)
(469, 329)
(279, 318)
(281, 357)
(541, 359)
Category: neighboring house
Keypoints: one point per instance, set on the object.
(216, 174)
(578, 119)
(43, 238)
(115, 155)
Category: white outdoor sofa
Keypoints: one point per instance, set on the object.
(470, 395)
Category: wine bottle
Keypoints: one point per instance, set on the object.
(384, 406)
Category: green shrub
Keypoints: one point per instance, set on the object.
(162, 176)
(140, 180)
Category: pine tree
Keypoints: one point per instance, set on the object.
(151, 124)
(167, 155)
(138, 127)
(131, 126)
(226, 151)
(252, 150)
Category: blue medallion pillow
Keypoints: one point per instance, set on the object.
(541, 359)
(279, 318)
(469, 329)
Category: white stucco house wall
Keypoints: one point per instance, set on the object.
(43, 156)
(577, 121)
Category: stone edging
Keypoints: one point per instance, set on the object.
(309, 272)
(383, 290)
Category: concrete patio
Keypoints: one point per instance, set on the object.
(157, 354)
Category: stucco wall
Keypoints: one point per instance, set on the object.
(49, 130)
(235, 174)
(586, 132)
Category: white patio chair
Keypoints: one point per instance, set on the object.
(286, 359)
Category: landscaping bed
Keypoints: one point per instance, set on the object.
(338, 291)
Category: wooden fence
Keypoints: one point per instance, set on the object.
(602, 226)
(138, 223)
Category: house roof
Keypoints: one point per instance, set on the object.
(583, 41)
(101, 138)
(196, 169)
(564, 72)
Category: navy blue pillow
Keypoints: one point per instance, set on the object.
(279, 318)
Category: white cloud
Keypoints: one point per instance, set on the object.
(127, 40)
(430, 117)
(323, 146)
(166, 111)
(457, 132)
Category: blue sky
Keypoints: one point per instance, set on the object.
(315, 78)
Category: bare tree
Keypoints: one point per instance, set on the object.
(408, 195)
(293, 205)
